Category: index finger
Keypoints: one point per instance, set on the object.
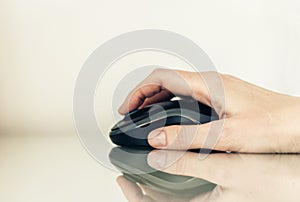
(175, 81)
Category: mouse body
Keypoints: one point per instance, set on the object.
(133, 129)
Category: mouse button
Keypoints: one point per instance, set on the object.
(173, 120)
(161, 109)
(169, 105)
(204, 109)
(115, 127)
(122, 123)
(179, 120)
(131, 112)
(197, 107)
(119, 125)
(137, 114)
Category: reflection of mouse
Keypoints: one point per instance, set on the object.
(132, 162)
(133, 130)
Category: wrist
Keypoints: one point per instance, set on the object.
(289, 126)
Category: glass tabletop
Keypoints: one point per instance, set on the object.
(58, 168)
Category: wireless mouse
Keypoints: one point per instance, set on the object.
(133, 129)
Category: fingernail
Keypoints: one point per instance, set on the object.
(157, 159)
(157, 138)
(120, 110)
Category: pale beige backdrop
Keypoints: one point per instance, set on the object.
(44, 43)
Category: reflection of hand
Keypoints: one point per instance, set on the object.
(137, 193)
(256, 119)
(239, 177)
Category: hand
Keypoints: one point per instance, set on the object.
(252, 119)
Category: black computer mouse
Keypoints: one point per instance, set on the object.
(133, 129)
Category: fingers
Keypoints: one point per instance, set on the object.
(164, 95)
(137, 97)
(214, 135)
(175, 81)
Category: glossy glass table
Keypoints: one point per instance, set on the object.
(57, 168)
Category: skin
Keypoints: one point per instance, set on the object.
(238, 177)
(252, 119)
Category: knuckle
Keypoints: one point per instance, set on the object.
(180, 138)
(228, 79)
(158, 71)
(227, 76)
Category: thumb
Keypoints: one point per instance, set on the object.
(213, 135)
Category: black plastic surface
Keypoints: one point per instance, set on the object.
(133, 130)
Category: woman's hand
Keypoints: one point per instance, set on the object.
(252, 119)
